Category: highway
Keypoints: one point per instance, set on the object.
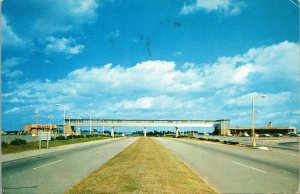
(236, 169)
(56, 172)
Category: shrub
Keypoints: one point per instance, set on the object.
(80, 136)
(60, 137)
(216, 140)
(4, 144)
(233, 142)
(18, 142)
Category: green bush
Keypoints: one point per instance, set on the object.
(18, 142)
(4, 144)
(61, 137)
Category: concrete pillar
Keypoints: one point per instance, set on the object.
(145, 131)
(177, 132)
(112, 132)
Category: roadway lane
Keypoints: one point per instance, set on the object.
(236, 169)
(56, 172)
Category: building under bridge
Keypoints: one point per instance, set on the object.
(269, 129)
(221, 126)
(71, 124)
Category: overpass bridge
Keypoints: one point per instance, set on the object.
(220, 125)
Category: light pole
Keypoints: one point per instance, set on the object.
(253, 128)
(90, 124)
(64, 124)
(78, 129)
(36, 121)
(50, 117)
(69, 115)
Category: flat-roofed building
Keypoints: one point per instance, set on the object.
(269, 129)
(35, 128)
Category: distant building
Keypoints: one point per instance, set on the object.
(35, 128)
(269, 129)
(54, 129)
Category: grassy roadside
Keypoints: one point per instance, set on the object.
(144, 167)
(35, 145)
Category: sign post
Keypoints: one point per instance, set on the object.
(44, 136)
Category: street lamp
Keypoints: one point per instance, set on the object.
(36, 120)
(78, 129)
(253, 128)
(69, 115)
(50, 127)
(64, 124)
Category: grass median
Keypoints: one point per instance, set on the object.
(144, 167)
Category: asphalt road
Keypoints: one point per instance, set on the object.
(56, 172)
(236, 169)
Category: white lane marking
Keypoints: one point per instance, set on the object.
(249, 167)
(286, 153)
(201, 151)
(47, 164)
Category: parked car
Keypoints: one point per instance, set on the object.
(244, 135)
(264, 135)
(277, 135)
(294, 135)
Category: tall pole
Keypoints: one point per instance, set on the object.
(36, 121)
(64, 128)
(253, 127)
(253, 130)
(64, 121)
(90, 124)
(78, 129)
(69, 123)
(50, 118)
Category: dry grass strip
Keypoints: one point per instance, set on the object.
(144, 167)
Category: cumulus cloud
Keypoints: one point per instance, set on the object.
(165, 89)
(226, 6)
(49, 18)
(61, 16)
(63, 45)
(9, 37)
(158, 76)
(9, 67)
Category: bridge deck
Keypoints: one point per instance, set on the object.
(141, 122)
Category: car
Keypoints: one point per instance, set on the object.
(294, 135)
(264, 135)
(277, 135)
(244, 135)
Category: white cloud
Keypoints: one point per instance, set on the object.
(9, 37)
(63, 45)
(177, 54)
(156, 76)
(13, 110)
(275, 99)
(152, 89)
(72, 13)
(9, 67)
(226, 6)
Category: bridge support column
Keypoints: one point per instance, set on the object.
(145, 131)
(112, 132)
(177, 132)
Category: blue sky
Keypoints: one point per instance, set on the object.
(190, 59)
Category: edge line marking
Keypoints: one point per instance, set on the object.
(47, 164)
(249, 167)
